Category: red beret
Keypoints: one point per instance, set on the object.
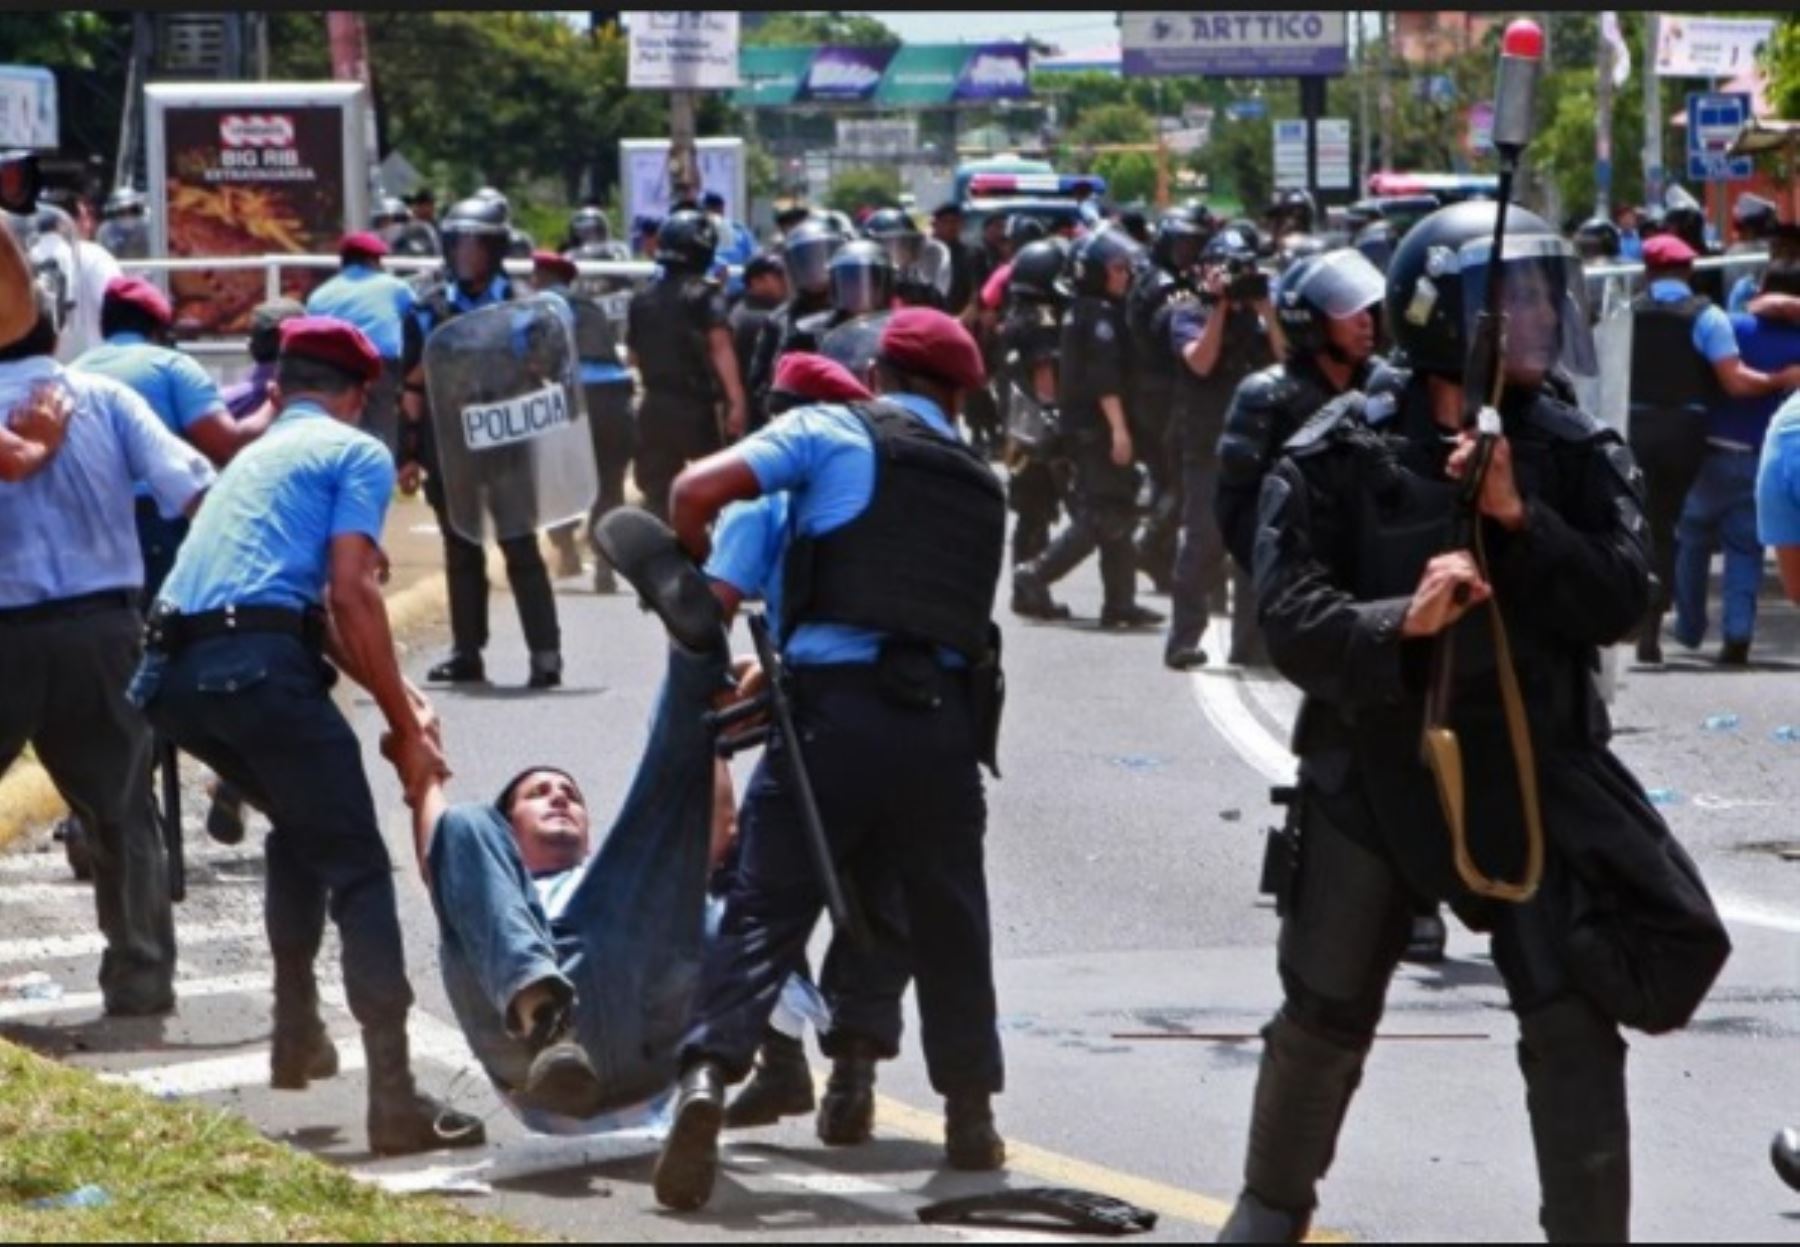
(1668, 251)
(362, 243)
(140, 294)
(553, 262)
(818, 379)
(331, 341)
(924, 341)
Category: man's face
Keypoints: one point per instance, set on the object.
(1352, 335)
(550, 822)
(947, 228)
(1118, 278)
(770, 286)
(472, 262)
(1628, 220)
(993, 232)
(1533, 332)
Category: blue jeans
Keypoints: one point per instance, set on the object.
(1720, 509)
(631, 939)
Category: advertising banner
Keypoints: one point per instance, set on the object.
(28, 114)
(644, 174)
(688, 51)
(1235, 44)
(244, 180)
(913, 76)
(1709, 47)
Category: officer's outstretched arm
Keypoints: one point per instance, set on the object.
(1334, 647)
(702, 491)
(18, 293)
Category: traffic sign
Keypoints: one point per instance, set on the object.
(1714, 120)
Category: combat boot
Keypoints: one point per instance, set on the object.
(301, 1051)
(1130, 616)
(1649, 640)
(458, 669)
(546, 671)
(847, 1112)
(782, 1085)
(689, 1163)
(1253, 1221)
(1031, 597)
(971, 1142)
(401, 1121)
(1574, 1065)
(1425, 946)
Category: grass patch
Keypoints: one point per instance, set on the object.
(184, 1173)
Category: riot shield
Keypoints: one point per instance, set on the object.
(1612, 348)
(1031, 424)
(855, 343)
(514, 451)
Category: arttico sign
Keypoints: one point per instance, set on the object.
(1235, 44)
(914, 76)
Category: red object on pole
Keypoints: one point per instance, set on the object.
(1524, 39)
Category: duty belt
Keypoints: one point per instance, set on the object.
(170, 632)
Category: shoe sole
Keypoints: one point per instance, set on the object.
(643, 552)
(689, 1163)
(569, 1088)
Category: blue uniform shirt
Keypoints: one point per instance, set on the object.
(178, 389)
(747, 550)
(593, 371)
(1767, 346)
(376, 302)
(1778, 479)
(1741, 294)
(264, 536)
(71, 529)
(1713, 335)
(498, 291)
(1631, 245)
(824, 460)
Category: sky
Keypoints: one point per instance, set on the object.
(1071, 29)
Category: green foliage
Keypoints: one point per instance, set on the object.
(65, 39)
(850, 29)
(1113, 123)
(1130, 176)
(865, 187)
(1783, 61)
(1240, 160)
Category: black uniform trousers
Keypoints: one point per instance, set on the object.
(673, 431)
(257, 708)
(1200, 560)
(1669, 447)
(65, 669)
(1103, 517)
(465, 566)
(900, 793)
(1035, 495)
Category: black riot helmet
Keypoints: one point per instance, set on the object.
(589, 224)
(475, 237)
(1246, 229)
(1233, 244)
(389, 213)
(1376, 243)
(1180, 234)
(895, 231)
(1598, 240)
(1330, 285)
(1097, 253)
(1685, 217)
(688, 240)
(861, 277)
(1293, 209)
(494, 195)
(807, 252)
(1023, 229)
(1754, 217)
(1040, 272)
(1437, 285)
(1293, 248)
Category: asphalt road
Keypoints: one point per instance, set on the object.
(1124, 845)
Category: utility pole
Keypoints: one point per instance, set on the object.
(1603, 121)
(1364, 138)
(684, 164)
(1653, 118)
(1386, 70)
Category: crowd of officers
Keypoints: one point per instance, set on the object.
(1197, 402)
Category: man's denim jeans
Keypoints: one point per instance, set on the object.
(1720, 510)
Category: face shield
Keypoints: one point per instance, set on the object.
(51, 245)
(856, 343)
(473, 257)
(808, 262)
(858, 289)
(1544, 299)
(903, 249)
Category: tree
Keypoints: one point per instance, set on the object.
(1113, 123)
(847, 29)
(868, 187)
(1239, 162)
(1783, 61)
(1130, 176)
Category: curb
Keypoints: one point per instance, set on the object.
(28, 799)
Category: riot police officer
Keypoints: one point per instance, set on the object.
(1293, 212)
(404, 234)
(474, 234)
(862, 282)
(1356, 588)
(1217, 339)
(904, 243)
(1098, 438)
(124, 225)
(806, 253)
(1030, 340)
(1180, 235)
(679, 335)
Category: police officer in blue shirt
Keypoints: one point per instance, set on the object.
(135, 319)
(70, 630)
(238, 677)
(896, 539)
(381, 305)
(475, 241)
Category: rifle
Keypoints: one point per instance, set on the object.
(168, 771)
(1485, 382)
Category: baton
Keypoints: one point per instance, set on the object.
(168, 770)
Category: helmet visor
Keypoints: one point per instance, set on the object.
(857, 289)
(1543, 294)
(808, 261)
(903, 249)
(1342, 283)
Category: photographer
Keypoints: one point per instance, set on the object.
(1229, 333)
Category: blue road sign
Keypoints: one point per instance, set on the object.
(1714, 119)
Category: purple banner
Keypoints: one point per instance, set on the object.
(845, 75)
(1235, 44)
(996, 71)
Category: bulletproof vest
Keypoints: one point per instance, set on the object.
(1667, 373)
(809, 331)
(1152, 357)
(595, 340)
(1201, 402)
(1080, 392)
(923, 559)
(670, 343)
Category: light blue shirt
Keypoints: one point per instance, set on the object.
(1631, 245)
(1778, 479)
(71, 529)
(1741, 294)
(376, 302)
(178, 389)
(824, 460)
(747, 552)
(264, 536)
(1713, 336)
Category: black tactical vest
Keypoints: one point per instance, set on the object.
(923, 560)
(1667, 373)
(595, 340)
(667, 335)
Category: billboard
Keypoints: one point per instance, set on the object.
(1709, 47)
(28, 113)
(1235, 44)
(644, 175)
(688, 51)
(913, 76)
(251, 169)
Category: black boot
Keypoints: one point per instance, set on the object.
(562, 1078)
(1649, 641)
(689, 1163)
(76, 848)
(1302, 1092)
(458, 669)
(1425, 946)
(1130, 616)
(1031, 596)
(401, 1121)
(546, 671)
(782, 1085)
(644, 552)
(1574, 1065)
(847, 1113)
(225, 817)
(1784, 1154)
(302, 1051)
(971, 1143)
